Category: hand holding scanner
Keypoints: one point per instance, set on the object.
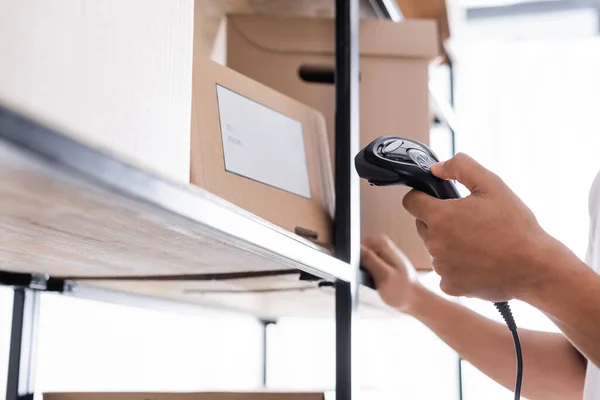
(391, 160)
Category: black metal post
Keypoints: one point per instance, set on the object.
(451, 78)
(460, 378)
(23, 341)
(265, 351)
(345, 305)
(347, 213)
(453, 144)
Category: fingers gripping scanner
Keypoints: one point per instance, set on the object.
(392, 160)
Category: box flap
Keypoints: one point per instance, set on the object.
(409, 38)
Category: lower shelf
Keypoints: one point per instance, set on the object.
(265, 297)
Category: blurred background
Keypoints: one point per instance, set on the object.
(526, 96)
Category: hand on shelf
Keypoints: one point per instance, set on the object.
(394, 275)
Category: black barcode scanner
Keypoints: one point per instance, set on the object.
(395, 161)
(392, 160)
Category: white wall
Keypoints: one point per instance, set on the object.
(93, 346)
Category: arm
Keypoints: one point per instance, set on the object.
(569, 294)
(553, 367)
(489, 245)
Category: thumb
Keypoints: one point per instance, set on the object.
(465, 170)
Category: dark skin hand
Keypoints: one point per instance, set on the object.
(554, 370)
(489, 245)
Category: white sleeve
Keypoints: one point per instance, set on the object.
(593, 251)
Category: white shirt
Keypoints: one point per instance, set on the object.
(592, 381)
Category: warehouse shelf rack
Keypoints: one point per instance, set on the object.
(44, 153)
(41, 151)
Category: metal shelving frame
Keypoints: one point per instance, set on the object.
(23, 343)
(347, 207)
(82, 161)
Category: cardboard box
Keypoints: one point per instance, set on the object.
(189, 396)
(442, 11)
(286, 52)
(260, 150)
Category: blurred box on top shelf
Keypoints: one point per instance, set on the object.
(192, 396)
(296, 57)
(261, 150)
(449, 14)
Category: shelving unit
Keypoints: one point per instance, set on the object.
(68, 206)
(83, 223)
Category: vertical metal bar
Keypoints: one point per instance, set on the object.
(265, 351)
(460, 378)
(345, 305)
(451, 78)
(264, 361)
(23, 341)
(347, 213)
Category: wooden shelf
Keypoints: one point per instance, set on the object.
(73, 212)
(70, 210)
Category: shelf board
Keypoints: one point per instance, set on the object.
(68, 209)
(267, 297)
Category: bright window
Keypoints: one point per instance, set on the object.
(528, 91)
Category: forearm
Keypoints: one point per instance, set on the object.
(569, 293)
(552, 367)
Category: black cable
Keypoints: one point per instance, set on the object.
(504, 309)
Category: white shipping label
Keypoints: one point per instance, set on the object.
(262, 144)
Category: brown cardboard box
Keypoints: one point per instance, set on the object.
(439, 10)
(186, 396)
(283, 52)
(260, 150)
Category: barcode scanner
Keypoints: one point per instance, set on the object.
(396, 161)
(392, 160)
